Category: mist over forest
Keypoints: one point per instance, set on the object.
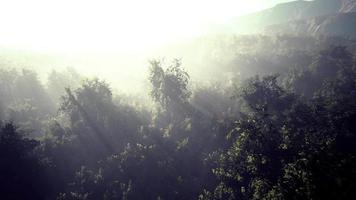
(258, 105)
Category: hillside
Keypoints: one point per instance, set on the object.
(348, 6)
(295, 12)
(342, 24)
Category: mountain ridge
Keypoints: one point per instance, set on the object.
(341, 24)
(293, 14)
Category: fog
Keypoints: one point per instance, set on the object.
(165, 100)
(102, 26)
(110, 39)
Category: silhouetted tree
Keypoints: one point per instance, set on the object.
(21, 172)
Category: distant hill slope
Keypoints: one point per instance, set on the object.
(342, 24)
(348, 6)
(297, 12)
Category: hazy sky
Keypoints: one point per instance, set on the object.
(77, 25)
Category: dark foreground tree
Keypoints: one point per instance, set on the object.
(287, 148)
(21, 173)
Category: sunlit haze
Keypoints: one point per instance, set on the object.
(93, 25)
(177, 99)
(109, 39)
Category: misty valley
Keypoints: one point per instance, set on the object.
(263, 108)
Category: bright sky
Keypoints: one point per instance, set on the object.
(104, 25)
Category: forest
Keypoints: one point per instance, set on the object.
(277, 121)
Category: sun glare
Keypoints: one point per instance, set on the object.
(93, 25)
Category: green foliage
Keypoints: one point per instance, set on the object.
(287, 148)
(169, 86)
(287, 136)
